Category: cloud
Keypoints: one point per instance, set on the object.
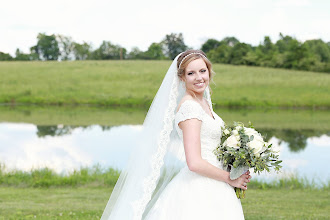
(30, 152)
(322, 141)
(17, 127)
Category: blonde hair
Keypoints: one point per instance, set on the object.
(190, 55)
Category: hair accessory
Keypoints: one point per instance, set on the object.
(190, 55)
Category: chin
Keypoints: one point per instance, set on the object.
(199, 91)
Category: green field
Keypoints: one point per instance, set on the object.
(83, 194)
(89, 202)
(134, 83)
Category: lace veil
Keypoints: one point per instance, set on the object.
(156, 158)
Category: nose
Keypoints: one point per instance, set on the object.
(198, 76)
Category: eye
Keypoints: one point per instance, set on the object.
(203, 70)
(190, 73)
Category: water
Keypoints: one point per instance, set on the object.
(21, 148)
(24, 146)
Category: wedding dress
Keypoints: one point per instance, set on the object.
(153, 185)
(189, 195)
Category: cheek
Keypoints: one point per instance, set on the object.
(207, 76)
(189, 79)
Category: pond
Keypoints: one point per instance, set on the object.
(65, 139)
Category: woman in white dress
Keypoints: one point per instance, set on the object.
(180, 118)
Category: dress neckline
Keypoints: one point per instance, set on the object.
(211, 116)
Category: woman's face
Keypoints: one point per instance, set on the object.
(196, 76)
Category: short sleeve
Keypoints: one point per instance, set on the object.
(189, 109)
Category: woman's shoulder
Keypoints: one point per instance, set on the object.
(188, 108)
(187, 100)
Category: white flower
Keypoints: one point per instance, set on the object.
(232, 142)
(226, 132)
(235, 132)
(238, 127)
(257, 145)
(250, 131)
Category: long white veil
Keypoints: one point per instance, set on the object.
(156, 159)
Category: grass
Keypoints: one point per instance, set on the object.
(97, 176)
(89, 203)
(134, 84)
(43, 194)
(94, 176)
(286, 204)
(52, 203)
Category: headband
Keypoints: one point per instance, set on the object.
(190, 55)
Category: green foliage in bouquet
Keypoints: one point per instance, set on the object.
(244, 147)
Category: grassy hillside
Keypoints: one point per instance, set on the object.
(135, 83)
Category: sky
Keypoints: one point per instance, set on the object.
(131, 23)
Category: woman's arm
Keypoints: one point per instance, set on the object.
(192, 145)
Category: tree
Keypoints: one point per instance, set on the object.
(81, 51)
(265, 53)
(210, 44)
(220, 54)
(155, 52)
(47, 47)
(5, 56)
(320, 49)
(21, 56)
(34, 55)
(173, 45)
(66, 46)
(230, 41)
(238, 52)
(109, 51)
(283, 43)
(135, 54)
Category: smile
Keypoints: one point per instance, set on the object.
(201, 84)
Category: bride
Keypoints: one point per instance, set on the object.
(173, 172)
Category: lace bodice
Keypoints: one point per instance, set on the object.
(210, 129)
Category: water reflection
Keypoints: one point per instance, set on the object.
(60, 130)
(64, 147)
(296, 139)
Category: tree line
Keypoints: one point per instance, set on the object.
(287, 52)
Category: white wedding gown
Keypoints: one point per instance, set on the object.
(190, 196)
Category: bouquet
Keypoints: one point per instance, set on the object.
(242, 148)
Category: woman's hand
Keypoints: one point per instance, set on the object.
(241, 182)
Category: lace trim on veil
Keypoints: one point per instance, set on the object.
(157, 161)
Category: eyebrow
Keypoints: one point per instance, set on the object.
(194, 70)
